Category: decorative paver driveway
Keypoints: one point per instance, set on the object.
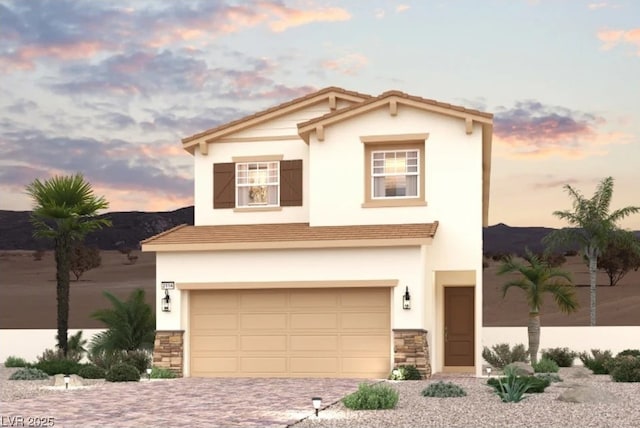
(188, 402)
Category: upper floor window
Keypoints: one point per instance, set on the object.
(257, 184)
(394, 170)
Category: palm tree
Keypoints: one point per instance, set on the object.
(536, 278)
(591, 228)
(130, 324)
(65, 209)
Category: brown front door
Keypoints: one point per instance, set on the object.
(458, 326)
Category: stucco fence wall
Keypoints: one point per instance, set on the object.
(31, 343)
(577, 339)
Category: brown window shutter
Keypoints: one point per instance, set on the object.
(291, 183)
(224, 185)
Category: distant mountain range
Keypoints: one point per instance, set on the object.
(129, 228)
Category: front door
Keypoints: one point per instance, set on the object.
(459, 319)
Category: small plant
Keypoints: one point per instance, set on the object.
(371, 397)
(545, 365)
(405, 372)
(502, 355)
(510, 388)
(62, 366)
(162, 373)
(598, 364)
(29, 374)
(123, 373)
(91, 372)
(443, 390)
(625, 368)
(632, 352)
(12, 361)
(551, 377)
(103, 358)
(562, 356)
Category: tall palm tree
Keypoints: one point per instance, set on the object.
(535, 278)
(65, 209)
(592, 226)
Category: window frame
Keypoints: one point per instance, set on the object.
(393, 143)
(238, 185)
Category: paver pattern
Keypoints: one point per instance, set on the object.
(187, 402)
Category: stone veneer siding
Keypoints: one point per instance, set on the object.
(411, 347)
(168, 350)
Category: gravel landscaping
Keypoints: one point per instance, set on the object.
(483, 408)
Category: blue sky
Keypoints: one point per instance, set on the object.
(109, 88)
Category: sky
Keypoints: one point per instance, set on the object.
(108, 89)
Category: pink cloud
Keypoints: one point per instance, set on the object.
(289, 17)
(349, 65)
(402, 8)
(612, 38)
(24, 57)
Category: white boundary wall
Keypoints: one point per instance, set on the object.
(577, 339)
(31, 343)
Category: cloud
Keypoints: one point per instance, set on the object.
(22, 106)
(613, 38)
(601, 5)
(379, 13)
(402, 8)
(289, 17)
(531, 129)
(349, 64)
(188, 125)
(552, 182)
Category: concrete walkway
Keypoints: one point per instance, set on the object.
(188, 402)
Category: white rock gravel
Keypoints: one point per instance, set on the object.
(483, 408)
(11, 390)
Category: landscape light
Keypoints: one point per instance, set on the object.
(67, 379)
(489, 371)
(149, 373)
(317, 402)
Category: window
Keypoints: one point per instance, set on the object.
(395, 174)
(394, 170)
(257, 184)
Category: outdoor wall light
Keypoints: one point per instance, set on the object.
(67, 379)
(317, 402)
(166, 302)
(149, 373)
(489, 371)
(406, 300)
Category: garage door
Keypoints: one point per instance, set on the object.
(291, 333)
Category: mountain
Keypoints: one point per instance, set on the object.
(131, 227)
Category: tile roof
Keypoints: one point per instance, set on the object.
(288, 235)
(320, 92)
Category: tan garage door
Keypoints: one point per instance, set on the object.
(291, 333)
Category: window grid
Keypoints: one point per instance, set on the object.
(258, 184)
(395, 174)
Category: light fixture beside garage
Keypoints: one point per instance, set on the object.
(317, 403)
(165, 302)
(406, 300)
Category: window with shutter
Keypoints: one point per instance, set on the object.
(291, 183)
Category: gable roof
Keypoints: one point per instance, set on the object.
(189, 143)
(288, 236)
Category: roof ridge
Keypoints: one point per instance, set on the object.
(166, 232)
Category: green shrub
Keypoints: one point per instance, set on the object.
(632, 352)
(29, 374)
(162, 373)
(598, 364)
(371, 397)
(139, 359)
(104, 359)
(12, 361)
(535, 384)
(91, 372)
(551, 377)
(63, 366)
(562, 356)
(502, 355)
(442, 390)
(545, 365)
(123, 373)
(405, 372)
(512, 388)
(625, 368)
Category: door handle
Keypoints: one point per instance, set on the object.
(446, 335)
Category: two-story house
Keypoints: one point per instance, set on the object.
(336, 235)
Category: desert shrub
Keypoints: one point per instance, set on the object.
(162, 373)
(405, 372)
(123, 373)
(103, 358)
(537, 384)
(545, 365)
(632, 352)
(502, 354)
(598, 363)
(534, 384)
(12, 361)
(562, 356)
(570, 253)
(73, 354)
(29, 373)
(61, 366)
(625, 368)
(554, 260)
(551, 377)
(371, 397)
(499, 257)
(442, 390)
(91, 372)
(83, 259)
(512, 388)
(140, 359)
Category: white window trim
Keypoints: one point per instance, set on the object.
(405, 174)
(276, 185)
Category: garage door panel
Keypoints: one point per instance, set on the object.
(266, 321)
(367, 343)
(314, 343)
(362, 365)
(311, 365)
(219, 365)
(268, 343)
(313, 299)
(215, 321)
(214, 343)
(364, 320)
(318, 321)
(203, 302)
(273, 365)
(263, 299)
(373, 298)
